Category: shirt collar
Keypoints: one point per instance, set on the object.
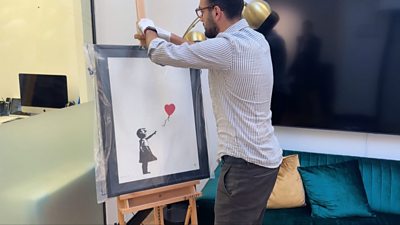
(237, 26)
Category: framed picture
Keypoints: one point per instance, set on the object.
(151, 121)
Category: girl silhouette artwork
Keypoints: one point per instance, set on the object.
(145, 154)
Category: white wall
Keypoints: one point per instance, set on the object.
(339, 142)
(116, 20)
(43, 36)
(115, 24)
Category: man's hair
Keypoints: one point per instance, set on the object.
(232, 8)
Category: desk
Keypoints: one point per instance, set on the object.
(46, 169)
(6, 119)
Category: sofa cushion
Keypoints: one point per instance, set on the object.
(335, 190)
(288, 191)
(382, 184)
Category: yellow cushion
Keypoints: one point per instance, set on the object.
(288, 191)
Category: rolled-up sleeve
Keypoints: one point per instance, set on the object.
(213, 53)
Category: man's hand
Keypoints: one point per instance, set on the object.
(140, 37)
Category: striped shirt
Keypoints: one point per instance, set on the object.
(240, 80)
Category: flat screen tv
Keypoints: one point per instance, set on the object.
(42, 92)
(337, 65)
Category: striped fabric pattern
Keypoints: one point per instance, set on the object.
(240, 80)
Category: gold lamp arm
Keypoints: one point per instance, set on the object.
(193, 24)
(193, 36)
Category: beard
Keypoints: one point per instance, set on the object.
(211, 30)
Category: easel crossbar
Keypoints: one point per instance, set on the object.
(157, 190)
(141, 206)
(157, 198)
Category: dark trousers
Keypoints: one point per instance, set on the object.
(243, 191)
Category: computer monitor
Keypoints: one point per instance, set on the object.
(42, 92)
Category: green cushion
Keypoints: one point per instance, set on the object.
(335, 190)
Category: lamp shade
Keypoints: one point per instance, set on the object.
(260, 16)
(256, 12)
(195, 36)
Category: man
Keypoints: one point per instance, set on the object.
(240, 75)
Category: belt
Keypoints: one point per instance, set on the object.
(233, 160)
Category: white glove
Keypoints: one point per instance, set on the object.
(164, 34)
(145, 23)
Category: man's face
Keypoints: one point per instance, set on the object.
(210, 27)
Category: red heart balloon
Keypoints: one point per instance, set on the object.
(169, 109)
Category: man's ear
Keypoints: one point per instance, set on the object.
(217, 12)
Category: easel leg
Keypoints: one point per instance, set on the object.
(192, 203)
(159, 215)
(121, 218)
(188, 213)
(191, 213)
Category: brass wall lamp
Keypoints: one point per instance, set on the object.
(257, 13)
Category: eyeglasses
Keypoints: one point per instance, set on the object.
(199, 11)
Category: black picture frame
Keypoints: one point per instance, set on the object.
(106, 125)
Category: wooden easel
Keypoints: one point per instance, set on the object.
(140, 13)
(157, 199)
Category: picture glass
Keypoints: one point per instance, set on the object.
(151, 120)
(153, 123)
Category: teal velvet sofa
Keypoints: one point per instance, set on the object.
(381, 179)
